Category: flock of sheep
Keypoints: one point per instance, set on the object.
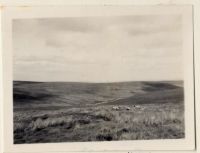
(125, 107)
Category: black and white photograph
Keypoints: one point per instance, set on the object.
(104, 78)
(78, 79)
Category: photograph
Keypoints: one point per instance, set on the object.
(98, 78)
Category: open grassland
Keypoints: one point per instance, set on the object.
(77, 112)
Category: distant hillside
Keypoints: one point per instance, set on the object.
(75, 94)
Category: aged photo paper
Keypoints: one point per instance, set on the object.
(94, 78)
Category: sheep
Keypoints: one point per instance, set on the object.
(115, 107)
(136, 107)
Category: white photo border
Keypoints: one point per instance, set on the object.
(10, 13)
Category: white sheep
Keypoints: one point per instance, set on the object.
(115, 107)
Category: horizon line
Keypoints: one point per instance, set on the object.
(96, 82)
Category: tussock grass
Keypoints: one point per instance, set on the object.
(104, 114)
(101, 123)
(136, 124)
(49, 122)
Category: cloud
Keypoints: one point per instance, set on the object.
(71, 24)
(121, 47)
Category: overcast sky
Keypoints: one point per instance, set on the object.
(98, 49)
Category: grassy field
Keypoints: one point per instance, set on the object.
(77, 112)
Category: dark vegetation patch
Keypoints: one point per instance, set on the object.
(104, 137)
(21, 97)
(158, 86)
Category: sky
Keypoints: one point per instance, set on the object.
(98, 49)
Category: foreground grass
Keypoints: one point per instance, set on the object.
(100, 123)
